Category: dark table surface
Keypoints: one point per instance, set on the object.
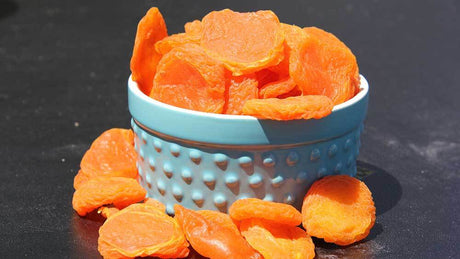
(64, 67)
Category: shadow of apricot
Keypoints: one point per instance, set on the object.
(7, 8)
(386, 189)
(367, 248)
(84, 235)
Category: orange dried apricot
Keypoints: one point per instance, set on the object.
(219, 218)
(99, 191)
(323, 65)
(188, 78)
(244, 42)
(266, 76)
(293, 36)
(282, 69)
(111, 154)
(333, 41)
(79, 179)
(210, 239)
(150, 29)
(277, 88)
(275, 240)
(291, 108)
(339, 209)
(194, 28)
(155, 204)
(268, 210)
(107, 211)
(107, 251)
(240, 89)
(294, 92)
(167, 44)
(142, 230)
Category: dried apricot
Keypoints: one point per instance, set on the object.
(323, 65)
(294, 92)
(333, 41)
(282, 69)
(150, 29)
(266, 76)
(142, 230)
(194, 28)
(275, 240)
(240, 89)
(167, 44)
(107, 211)
(293, 36)
(277, 88)
(339, 209)
(210, 239)
(291, 108)
(79, 179)
(219, 218)
(111, 154)
(271, 211)
(188, 78)
(155, 203)
(98, 191)
(244, 42)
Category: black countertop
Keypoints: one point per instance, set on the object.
(63, 72)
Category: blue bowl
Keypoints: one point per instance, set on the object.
(207, 161)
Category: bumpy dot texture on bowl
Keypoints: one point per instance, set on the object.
(214, 176)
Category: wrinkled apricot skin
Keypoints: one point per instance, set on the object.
(338, 209)
(294, 92)
(99, 191)
(323, 65)
(275, 240)
(144, 60)
(271, 211)
(110, 154)
(167, 44)
(155, 204)
(79, 179)
(142, 230)
(244, 42)
(194, 28)
(187, 78)
(212, 240)
(240, 90)
(277, 88)
(293, 37)
(291, 108)
(219, 218)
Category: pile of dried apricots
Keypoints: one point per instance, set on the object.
(244, 64)
(232, 63)
(337, 208)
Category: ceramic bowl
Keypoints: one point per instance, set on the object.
(207, 161)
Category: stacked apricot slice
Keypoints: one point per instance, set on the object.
(244, 64)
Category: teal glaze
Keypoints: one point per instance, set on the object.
(243, 130)
(207, 161)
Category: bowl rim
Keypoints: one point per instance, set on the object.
(190, 126)
(132, 85)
